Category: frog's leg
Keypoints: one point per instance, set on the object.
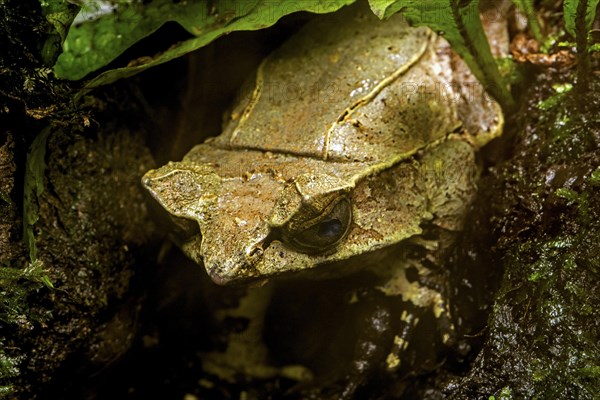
(376, 321)
(372, 314)
(422, 303)
(401, 340)
(449, 173)
(383, 319)
(245, 353)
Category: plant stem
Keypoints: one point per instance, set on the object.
(581, 39)
(534, 24)
(492, 80)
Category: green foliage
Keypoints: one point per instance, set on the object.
(95, 43)
(459, 23)
(579, 16)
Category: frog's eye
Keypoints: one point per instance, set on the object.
(325, 232)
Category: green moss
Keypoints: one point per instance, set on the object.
(550, 102)
(8, 369)
(543, 330)
(595, 177)
(580, 200)
(505, 394)
(557, 352)
(15, 286)
(556, 99)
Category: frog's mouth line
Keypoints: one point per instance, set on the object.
(248, 271)
(248, 262)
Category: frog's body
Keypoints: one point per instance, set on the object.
(356, 134)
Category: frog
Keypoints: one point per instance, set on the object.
(355, 143)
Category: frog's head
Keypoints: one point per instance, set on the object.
(351, 165)
(266, 218)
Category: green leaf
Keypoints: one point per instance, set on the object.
(94, 44)
(458, 21)
(33, 188)
(385, 8)
(587, 10)
(60, 14)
